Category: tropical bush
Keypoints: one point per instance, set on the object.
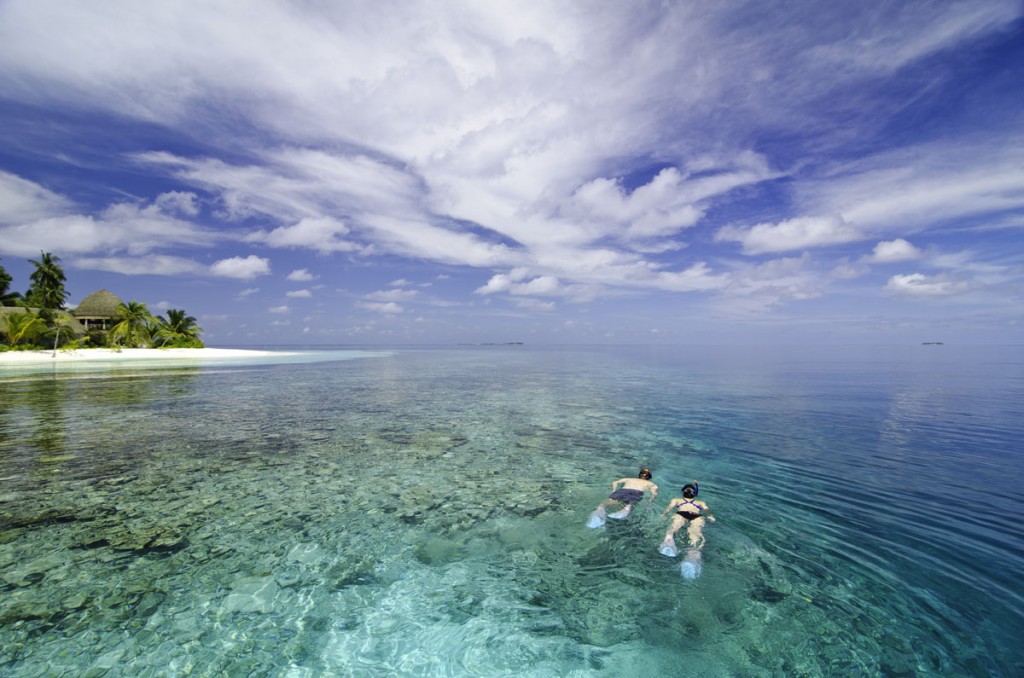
(183, 343)
(177, 330)
(132, 326)
(22, 327)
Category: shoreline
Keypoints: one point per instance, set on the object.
(127, 355)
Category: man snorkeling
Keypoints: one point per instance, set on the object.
(694, 513)
(626, 492)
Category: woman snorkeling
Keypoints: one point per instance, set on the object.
(690, 511)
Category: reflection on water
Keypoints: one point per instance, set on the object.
(423, 514)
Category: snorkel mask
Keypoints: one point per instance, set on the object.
(690, 490)
(645, 473)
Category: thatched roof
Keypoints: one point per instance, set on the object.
(101, 304)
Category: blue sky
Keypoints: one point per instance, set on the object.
(548, 172)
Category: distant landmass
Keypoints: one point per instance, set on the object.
(495, 343)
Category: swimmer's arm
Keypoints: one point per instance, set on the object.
(654, 492)
(618, 483)
(707, 514)
(671, 505)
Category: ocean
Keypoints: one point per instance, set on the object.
(422, 512)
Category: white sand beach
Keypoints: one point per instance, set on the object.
(14, 358)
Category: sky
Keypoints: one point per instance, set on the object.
(554, 172)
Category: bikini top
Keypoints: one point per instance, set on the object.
(680, 509)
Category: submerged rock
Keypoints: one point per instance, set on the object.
(305, 554)
(251, 594)
(766, 594)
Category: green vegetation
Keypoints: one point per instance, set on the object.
(178, 330)
(132, 326)
(7, 298)
(47, 289)
(38, 320)
(22, 328)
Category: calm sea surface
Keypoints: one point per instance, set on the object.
(422, 513)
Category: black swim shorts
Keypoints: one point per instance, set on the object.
(627, 496)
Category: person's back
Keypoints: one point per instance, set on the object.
(627, 492)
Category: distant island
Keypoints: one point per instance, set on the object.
(495, 343)
(931, 343)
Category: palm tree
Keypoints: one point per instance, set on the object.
(62, 324)
(21, 326)
(132, 326)
(47, 288)
(177, 328)
(7, 298)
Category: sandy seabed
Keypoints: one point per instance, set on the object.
(11, 358)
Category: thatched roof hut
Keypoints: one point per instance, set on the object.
(97, 311)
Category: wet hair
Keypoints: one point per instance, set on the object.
(645, 473)
(690, 490)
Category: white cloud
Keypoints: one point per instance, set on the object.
(130, 228)
(920, 285)
(178, 201)
(906, 39)
(300, 275)
(323, 234)
(847, 270)
(23, 201)
(912, 189)
(670, 202)
(535, 304)
(393, 295)
(422, 240)
(149, 264)
(792, 234)
(388, 308)
(248, 292)
(544, 285)
(772, 283)
(893, 251)
(298, 294)
(656, 209)
(243, 268)
(498, 282)
(279, 309)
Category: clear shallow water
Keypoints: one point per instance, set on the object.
(422, 513)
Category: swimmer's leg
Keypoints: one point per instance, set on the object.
(695, 533)
(622, 513)
(668, 545)
(692, 566)
(597, 518)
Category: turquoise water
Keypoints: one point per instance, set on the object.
(422, 513)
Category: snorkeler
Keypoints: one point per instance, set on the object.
(627, 492)
(692, 511)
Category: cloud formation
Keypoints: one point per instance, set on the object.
(242, 268)
(539, 151)
(893, 251)
(920, 285)
(792, 234)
